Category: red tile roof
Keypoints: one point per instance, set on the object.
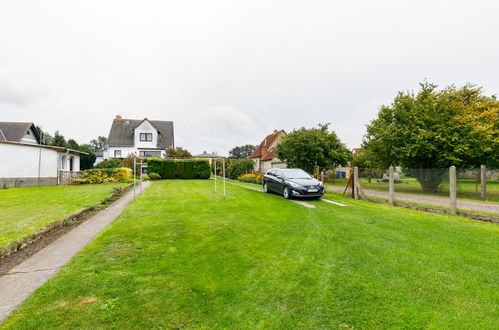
(266, 149)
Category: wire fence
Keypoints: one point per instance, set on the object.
(430, 186)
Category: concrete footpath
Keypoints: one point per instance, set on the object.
(21, 281)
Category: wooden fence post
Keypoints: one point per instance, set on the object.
(391, 187)
(452, 189)
(355, 186)
(483, 182)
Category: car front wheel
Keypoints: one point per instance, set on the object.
(265, 188)
(285, 193)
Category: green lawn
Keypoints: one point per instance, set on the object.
(24, 211)
(182, 256)
(466, 189)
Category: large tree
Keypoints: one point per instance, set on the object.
(242, 151)
(98, 144)
(307, 148)
(58, 140)
(86, 161)
(435, 129)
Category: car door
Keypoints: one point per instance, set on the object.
(271, 180)
(279, 181)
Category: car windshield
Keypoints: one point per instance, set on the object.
(296, 174)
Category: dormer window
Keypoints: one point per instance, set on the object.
(145, 137)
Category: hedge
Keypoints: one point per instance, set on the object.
(179, 168)
(105, 175)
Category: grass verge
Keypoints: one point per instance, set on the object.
(27, 210)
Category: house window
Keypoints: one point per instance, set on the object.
(145, 137)
(117, 154)
(150, 153)
(144, 170)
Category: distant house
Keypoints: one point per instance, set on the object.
(140, 137)
(264, 156)
(211, 157)
(26, 162)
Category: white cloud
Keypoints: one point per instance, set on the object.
(229, 72)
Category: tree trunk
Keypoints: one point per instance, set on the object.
(429, 178)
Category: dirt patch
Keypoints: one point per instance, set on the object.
(87, 301)
(15, 253)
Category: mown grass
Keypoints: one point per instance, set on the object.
(183, 256)
(24, 211)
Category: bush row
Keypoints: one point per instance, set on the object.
(234, 168)
(179, 168)
(251, 178)
(105, 175)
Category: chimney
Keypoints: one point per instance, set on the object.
(118, 117)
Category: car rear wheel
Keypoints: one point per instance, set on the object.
(285, 193)
(265, 188)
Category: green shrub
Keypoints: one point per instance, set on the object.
(251, 178)
(105, 175)
(179, 168)
(109, 163)
(238, 167)
(154, 176)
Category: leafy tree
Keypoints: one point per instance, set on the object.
(86, 161)
(242, 151)
(307, 148)
(178, 152)
(109, 163)
(58, 140)
(239, 167)
(436, 129)
(72, 144)
(98, 144)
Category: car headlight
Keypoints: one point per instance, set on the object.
(294, 185)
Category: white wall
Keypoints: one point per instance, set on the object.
(21, 161)
(125, 151)
(29, 138)
(146, 127)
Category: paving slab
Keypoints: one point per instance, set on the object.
(21, 281)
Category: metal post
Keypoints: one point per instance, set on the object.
(391, 188)
(355, 186)
(483, 182)
(452, 189)
(215, 175)
(140, 176)
(223, 170)
(134, 167)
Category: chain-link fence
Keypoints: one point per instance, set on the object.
(475, 189)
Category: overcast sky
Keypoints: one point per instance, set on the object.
(229, 72)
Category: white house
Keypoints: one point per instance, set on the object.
(143, 138)
(24, 161)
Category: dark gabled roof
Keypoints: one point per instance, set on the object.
(122, 132)
(266, 149)
(14, 131)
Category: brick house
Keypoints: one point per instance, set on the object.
(264, 157)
